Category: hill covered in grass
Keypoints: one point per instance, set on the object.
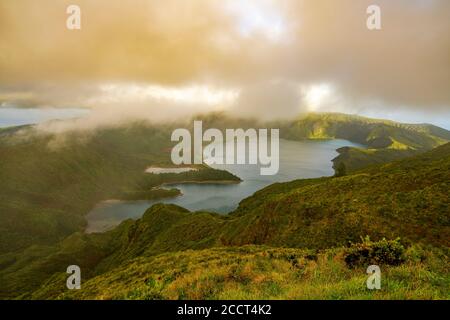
(374, 133)
(407, 199)
(384, 140)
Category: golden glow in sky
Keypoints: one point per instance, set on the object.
(316, 95)
(195, 94)
(250, 56)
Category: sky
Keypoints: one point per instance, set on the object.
(259, 58)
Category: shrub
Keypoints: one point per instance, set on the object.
(340, 170)
(387, 252)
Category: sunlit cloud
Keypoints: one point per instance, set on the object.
(317, 96)
(139, 93)
(269, 58)
(262, 17)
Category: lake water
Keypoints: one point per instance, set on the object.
(298, 159)
(157, 170)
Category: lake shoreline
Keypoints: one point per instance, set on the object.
(162, 185)
(218, 182)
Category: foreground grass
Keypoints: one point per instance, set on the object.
(256, 272)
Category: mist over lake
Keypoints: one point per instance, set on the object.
(298, 160)
(11, 116)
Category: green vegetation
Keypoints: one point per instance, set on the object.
(383, 252)
(407, 199)
(385, 140)
(376, 134)
(253, 272)
(340, 170)
(299, 239)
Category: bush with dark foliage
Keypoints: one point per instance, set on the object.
(384, 252)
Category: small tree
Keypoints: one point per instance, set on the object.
(340, 170)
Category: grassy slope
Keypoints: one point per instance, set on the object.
(253, 272)
(408, 198)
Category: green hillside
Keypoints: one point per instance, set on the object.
(385, 140)
(374, 133)
(407, 199)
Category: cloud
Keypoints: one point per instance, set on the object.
(162, 41)
(266, 50)
(405, 63)
(273, 100)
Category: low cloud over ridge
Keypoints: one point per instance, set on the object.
(268, 52)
